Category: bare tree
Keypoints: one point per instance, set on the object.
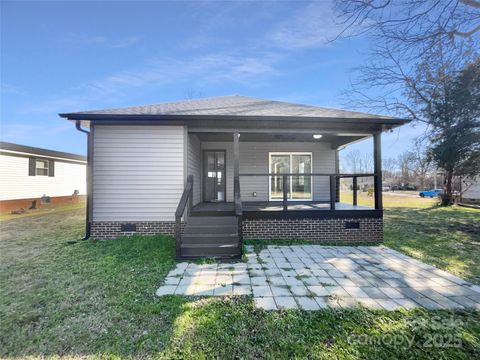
(352, 161)
(419, 161)
(423, 65)
(389, 168)
(413, 22)
(403, 162)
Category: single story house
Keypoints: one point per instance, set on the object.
(471, 195)
(31, 177)
(218, 170)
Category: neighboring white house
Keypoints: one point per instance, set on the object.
(31, 176)
(471, 195)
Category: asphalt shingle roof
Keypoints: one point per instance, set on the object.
(234, 105)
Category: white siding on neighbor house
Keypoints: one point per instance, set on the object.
(138, 172)
(15, 183)
(473, 191)
(195, 166)
(254, 158)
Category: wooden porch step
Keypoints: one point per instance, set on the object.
(211, 229)
(211, 236)
(211, 250)
(217, 239)
(211, 220)
(211, 213)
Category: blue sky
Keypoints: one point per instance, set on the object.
(67, 56)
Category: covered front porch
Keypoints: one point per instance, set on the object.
(258, 171)
(259, 184)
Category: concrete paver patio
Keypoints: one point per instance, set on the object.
(312, 277)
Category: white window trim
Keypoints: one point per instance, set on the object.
(290, 182)
(48, 167)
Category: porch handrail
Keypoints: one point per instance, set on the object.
(311, 174)
(333, 184)
(187, 197)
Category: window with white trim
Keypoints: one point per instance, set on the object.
(298, 187)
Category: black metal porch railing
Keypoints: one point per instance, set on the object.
(187, 198)
(286, 178)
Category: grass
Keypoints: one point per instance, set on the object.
(448, 238)
(96, 300)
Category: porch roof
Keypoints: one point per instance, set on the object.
(234, 108)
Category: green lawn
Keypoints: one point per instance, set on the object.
(96, 299)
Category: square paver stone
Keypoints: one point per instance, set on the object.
(355, 291)
(286, 302)
(406, 303)
(388, 304)
(369, 303)
(374, 293)
(226, 290)
(241, 280)
(318, 290)
(322, 301)
(299, 290)
(172, 280)
(280, 291)
(265, 303)
(277, 280)
(204, 290)
(307, 303)
(260, 280)
(392, 293)
(242, 289)
(261, 291)
(166, 290)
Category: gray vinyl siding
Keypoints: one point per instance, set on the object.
(138, 172)
(254, 158)
(195, 166)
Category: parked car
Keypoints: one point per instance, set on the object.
(431, 193)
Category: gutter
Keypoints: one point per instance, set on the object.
(89, 178)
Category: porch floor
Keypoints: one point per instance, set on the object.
(274, 206)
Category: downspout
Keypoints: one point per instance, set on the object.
(89, 178)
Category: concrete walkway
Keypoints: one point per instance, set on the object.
(312, 277)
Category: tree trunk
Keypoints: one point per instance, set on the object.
(422, 183)
(447, 196)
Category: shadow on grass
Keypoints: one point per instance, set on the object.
(447, 237)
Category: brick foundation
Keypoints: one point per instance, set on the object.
(370, 230)
(103, 230)
(29, 203)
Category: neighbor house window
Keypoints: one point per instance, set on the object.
(41, 167)
(298, 187)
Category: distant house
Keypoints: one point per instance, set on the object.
(30, 177)
(218, 170)
(471, 195)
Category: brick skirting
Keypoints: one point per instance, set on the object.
(103, 230)
(370, 230)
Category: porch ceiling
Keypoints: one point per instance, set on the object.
(335, 140)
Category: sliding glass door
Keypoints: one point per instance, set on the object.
(298, 187)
